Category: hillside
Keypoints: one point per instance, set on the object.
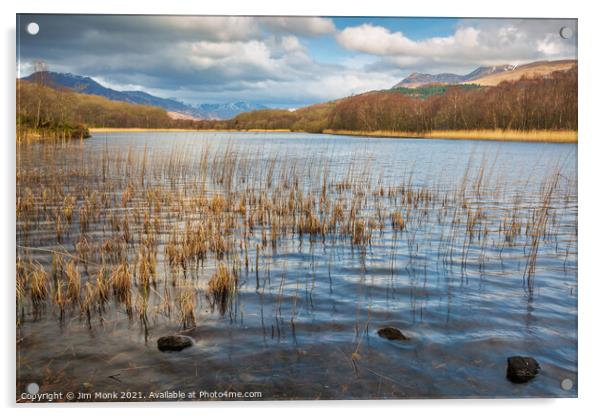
(487, 75)
(63, 113)
(177, 109)
(542, 103)
(429, 90)
(532, 70)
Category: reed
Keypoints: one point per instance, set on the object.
(186, 305)
(121, 280)
(397, 221)
(103, 286)
(222, 285)
(38, 280)
(156, 220)
(89, 301)
(73, 282)
(554, 136)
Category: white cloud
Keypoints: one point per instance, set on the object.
(375, 40)
(269, 59)
(291, 44)
(305, 26)
(474, 42)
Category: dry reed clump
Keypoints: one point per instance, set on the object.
(83, 249)
(397, 221)
(217, 204)
(121, 279)
(361, 234)
(60, 299)
(84, 217)
(147, 267)
(309, 224)
(58, 227)
(38, 280)
(68, 208)
(222, 285)
(103, 286)
(89, 301)
(74, 282)
(186, 305)
(58, 267)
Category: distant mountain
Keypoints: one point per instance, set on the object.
(488, 75)
(176, 109)
(228, 110)
(532, 70)
(417, 79)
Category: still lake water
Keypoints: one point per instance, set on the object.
(310, 331)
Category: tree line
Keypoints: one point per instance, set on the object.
(64, 113)
(544, 103)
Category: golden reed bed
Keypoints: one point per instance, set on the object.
(554, 136)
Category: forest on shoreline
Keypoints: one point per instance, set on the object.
(537, 104)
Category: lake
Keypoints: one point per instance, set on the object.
(468, 247)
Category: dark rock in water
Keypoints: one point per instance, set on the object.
(174, 343)
(522, 369)
(392, 334)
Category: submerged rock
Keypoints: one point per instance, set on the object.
(392, 334)
(174, 342)
(522, 369)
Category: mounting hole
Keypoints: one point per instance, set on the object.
(566, 384)
(566, 32)
(33, 28)
(32, 388)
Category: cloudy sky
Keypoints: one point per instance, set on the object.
(278, 61)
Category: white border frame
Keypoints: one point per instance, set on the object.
(590, 147)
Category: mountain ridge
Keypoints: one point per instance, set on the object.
(176, 109)
(486, 75)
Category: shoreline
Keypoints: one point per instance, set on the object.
(176, 130)
(541, 136)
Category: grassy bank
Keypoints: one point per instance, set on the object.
(553, 136)
(28, 134)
